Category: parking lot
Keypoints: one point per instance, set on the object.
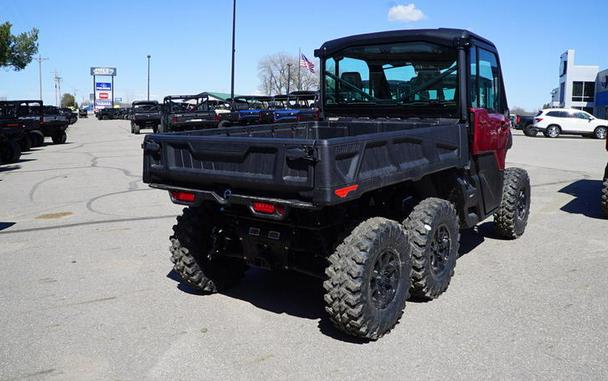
(86, 290)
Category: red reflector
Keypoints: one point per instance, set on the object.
(182, 196)
(343, 192)
(264, 207)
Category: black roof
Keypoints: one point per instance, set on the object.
(144, 102)
(444, 36)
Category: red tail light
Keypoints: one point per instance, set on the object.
(268, 208)
(217, 117)
(536, 120)
(343, 192)
(180, 196)
(517, 119)
(174, 120)
(317, 115)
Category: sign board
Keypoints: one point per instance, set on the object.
(103, 71)
(103, 86)
(103, 103)
(104, 95)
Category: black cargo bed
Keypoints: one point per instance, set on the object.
(312, 162)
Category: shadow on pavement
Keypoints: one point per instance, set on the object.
(5, 225)
(587, 198)
(301, 296)
(8, 167)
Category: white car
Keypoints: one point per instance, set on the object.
(555, 121)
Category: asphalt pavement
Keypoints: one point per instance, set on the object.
(87, 291)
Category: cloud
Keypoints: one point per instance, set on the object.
(405, 13)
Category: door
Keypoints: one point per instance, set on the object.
(491, 133)
(583, 122)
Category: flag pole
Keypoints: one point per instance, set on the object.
(299, 69)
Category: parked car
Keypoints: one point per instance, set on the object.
(557, 121)
(193, 112)
(83, 113)
(372, 197)
(71, 115)
(108, 113)
(145, 114)
(21, 111)
(524, 123)
(12, 133)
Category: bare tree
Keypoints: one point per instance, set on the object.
(275, 70)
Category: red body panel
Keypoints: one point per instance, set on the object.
(491, 133)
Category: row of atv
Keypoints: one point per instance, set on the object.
(207, 110)
(24, 124)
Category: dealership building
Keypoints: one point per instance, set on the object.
(582, 87)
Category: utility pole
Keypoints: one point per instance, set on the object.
(57, 88)
(40, 59)
(233, 49)
(148, 76)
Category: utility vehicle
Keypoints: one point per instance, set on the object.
(145, 114)
(410, 149)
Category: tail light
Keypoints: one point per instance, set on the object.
(537, 120)
(317, 114)
(217, 117)
(182, 197)
(517, 119)
(268, 208)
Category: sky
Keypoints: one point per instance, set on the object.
(189, 41)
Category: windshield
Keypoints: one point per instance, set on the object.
(150, 107)
(413, 74)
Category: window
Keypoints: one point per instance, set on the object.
(583, 91)
(421, 76)
(485, 76)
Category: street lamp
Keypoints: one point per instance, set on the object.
(148, 76)
(288, 76)
(233, 49)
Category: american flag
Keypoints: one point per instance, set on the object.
(305, 63)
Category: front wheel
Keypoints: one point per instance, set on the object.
(25, 143)
(434, 230)
(60, 138)
(37, 138)
(10, 152)
(512, 215)
(600, 132)
(368, 278)
(530, 131)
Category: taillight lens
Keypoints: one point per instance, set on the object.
(268, 208)
(174, 120)
(536, 120)
(180, 196)
(517, 119)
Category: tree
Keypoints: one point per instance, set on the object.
(67, 100)
(17, 51)
(274, 71)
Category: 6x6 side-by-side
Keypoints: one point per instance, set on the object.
(410, 149)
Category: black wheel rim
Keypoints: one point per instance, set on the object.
(522, 202)
(441, 247)
(385, 279)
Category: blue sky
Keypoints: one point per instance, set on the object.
(190, 40)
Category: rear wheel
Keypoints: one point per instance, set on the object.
(600, 132)
(553, 131)
(530, 131)
(434, 232)
(196, 259)
(10, 152)
(368, 279)
(25, 143)
(37, 138)
(512, 215)
(60, 137)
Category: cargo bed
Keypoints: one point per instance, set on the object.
(314, 163)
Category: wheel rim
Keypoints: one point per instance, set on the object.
(522, 202)
(552, 132)
(601, 133)
(385, 279)
(441, 247)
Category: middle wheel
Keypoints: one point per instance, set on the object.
(434, 232)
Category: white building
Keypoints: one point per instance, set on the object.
(576, 83)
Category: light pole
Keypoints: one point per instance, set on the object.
(288, 77)
(148, 76)
(233, 49)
